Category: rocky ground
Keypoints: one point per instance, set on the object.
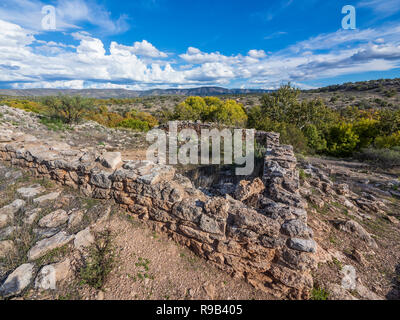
(47, 232)
(354, 213)
(89, 135)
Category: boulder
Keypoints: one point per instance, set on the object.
(48, 197)
(52, 274)
(111, 160)
(17, 281)
(31, 192)
(302, 245)
(296, 228)
(44, 246)
(54, 219)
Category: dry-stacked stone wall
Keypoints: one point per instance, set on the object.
(270, 244)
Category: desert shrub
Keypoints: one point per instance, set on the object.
(387, 142)
(134, 124)
(315, 140)
(342, 140)
(367, 130)
(146, 117)
(290, 134)
(380, 157)
(193, 108)
(229, 113)
(54, 124)
(319, 294)
(26, 105)
(98, 263)
(211, 109)
(105, 118)
(69, 109)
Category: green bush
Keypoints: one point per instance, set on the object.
(387, 142)
(315, 141)
(134, 124)
(210, 109)
(367, 130)
(319, 294)
(99, 261)
(69, 109)
(342, 140)
(384, 158)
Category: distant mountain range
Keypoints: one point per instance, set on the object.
(122, 93)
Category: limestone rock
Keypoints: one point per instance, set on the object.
(302, 245)
(30, 216)
(75, 218)
(31, 192)
(54, 219)
(296, 228)
(17, 281)
(355, 228)
(83, 239)
(52, 274)
(7, 247)
(111, 160)
(7, 213)
(48, 197)
(46, 245)
(246, 189)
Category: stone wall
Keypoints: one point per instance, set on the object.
(269, 244)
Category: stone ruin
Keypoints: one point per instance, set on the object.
(268, 244)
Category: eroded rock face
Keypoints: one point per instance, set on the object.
(269, 243)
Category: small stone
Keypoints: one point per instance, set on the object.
(393, 220)
(302, 245)
(7, 213)
(111, 160)
(54, 219)
(355, 228)
(75, 218)
(50, 275)
(7, 247)
(83, 239)
(31, 192)
(32, 215)
(100, 295)
(48, 197)
(17, 281)
(48, 244)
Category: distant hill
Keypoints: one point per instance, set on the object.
(122, 93)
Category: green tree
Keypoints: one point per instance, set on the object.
(69, 109)
(230, 113)
(315, 141)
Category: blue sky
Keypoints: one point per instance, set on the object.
(143, 44)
